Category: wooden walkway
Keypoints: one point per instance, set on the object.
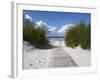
(61, 59)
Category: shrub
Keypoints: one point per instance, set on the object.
(36, 36)
(85, 41)
(80, 34)
(71, 37)
(27, 30)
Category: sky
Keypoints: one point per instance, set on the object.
(56, 21)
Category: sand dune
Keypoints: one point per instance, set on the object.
(36, 58)
(43, 58)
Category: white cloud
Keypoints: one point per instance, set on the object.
(50, 28)
(28, 17)
(39, 23)
(64, 28)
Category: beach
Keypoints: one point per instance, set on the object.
(57, 57)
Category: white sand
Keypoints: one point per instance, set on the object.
(36, 58)
(80, 56)
(40, 58)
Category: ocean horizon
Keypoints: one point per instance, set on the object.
(54, 37)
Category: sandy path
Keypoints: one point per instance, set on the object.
(61, 59)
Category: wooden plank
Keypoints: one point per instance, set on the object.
(61, 59)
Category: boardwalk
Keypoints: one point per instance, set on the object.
(61, 59)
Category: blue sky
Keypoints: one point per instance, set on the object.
(58, 19)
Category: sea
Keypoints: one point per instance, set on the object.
(59, 38)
